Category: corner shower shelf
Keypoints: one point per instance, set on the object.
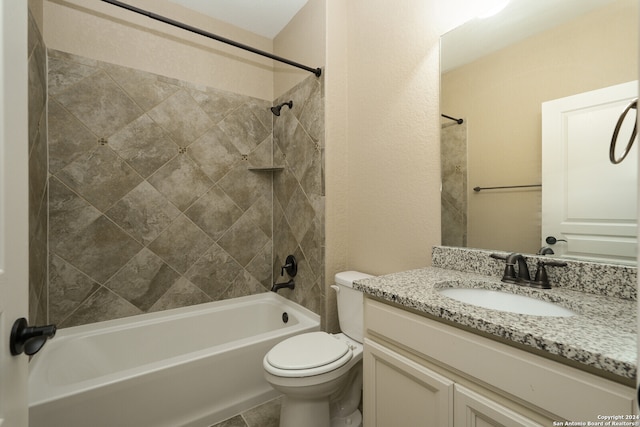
(267, 169)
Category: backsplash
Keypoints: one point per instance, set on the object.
(618, 281)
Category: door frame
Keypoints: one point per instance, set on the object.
(14, 205)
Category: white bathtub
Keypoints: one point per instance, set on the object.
(192, 366)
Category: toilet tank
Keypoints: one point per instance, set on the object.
(350, 302)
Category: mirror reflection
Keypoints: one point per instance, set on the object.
(496, 75)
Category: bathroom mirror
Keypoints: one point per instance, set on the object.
(495, 75)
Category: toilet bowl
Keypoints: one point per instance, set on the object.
(308, 387)
(320, 374)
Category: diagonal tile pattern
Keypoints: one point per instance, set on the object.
(215, 212)
(69, 288)
(143, 280)
(101, 177)
(216, 103)
(143, 213)
(63, 74)
(99, 250)
(151, 202)
(244, 186)
(181, 244)
(214, 153)
(182, 117)
(181, 181)
(68, 138)
(243, 240)
(145, 89)
(68, 214)
(143, 145)
(244, 129)
(214, 271)
(100, 104)
(298, 136)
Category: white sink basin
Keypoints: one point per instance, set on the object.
(503, 301)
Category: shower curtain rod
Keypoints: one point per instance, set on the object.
(459, 121)
(316, 71)
(479, 189)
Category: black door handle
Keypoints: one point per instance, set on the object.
(29, 339)
(551, 240)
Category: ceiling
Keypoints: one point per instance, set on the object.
(519, 20)
(264, 17)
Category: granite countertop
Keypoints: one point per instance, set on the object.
(602, 335)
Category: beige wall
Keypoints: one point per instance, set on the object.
(101, 31)
(390, 189)
(500, 96)
(97, 30)
(336, 153)
(303, 41)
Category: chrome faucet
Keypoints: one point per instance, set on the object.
(523, 277)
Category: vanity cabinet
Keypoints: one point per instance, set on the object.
(422, 372)
(402, 392)
(472, 409)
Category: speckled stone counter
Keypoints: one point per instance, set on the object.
(600, 337)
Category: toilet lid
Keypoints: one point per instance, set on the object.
(307, 351)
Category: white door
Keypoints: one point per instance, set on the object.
(586, 200)
(14, 216)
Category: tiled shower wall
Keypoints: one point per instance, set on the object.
(37, 174)
(152, 205)
(453, 149)
(299, 197)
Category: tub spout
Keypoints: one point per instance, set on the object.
(277, 286)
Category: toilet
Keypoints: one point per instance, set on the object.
(320, 374)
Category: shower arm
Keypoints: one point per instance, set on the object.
(459, 121)
(316, 71)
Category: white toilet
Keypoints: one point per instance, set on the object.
(320, 374)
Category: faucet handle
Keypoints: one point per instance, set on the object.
(542, 280)
(290, 266)
(503, 257)
(552, 263)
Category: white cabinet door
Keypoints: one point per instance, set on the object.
(586, 200)
(14, 270)
(474, 410)
(400, 392)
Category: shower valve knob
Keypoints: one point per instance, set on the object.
(290, 266)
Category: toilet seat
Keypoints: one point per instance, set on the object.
(305, 355)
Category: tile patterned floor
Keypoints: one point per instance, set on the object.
(265, 415)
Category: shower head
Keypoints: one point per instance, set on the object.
(276, 110)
